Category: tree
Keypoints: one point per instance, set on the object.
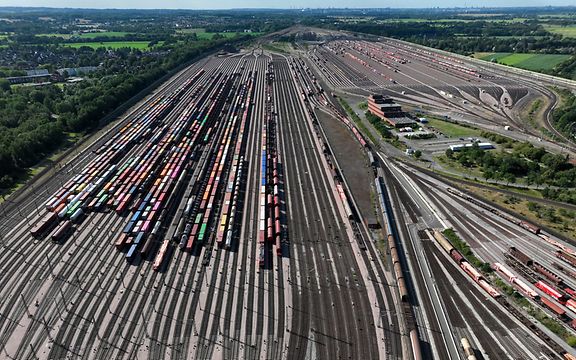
(4, 85)
(417, 154)
(510, 179)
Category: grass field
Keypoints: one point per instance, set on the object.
(567, 31)
(452, 130)
(525, 61)
(208, 36)
(283, 47)
(142, 45)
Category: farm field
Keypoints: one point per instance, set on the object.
(567, 31)
(525, 61)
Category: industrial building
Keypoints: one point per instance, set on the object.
(482, 146)
(388, 110)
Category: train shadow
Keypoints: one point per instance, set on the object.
(426, 350)
(282, 198)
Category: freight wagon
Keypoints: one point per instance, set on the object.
(556, 309)
(549, 275)
(61, 231)
(549, 290)
(520, 256)
(530, 227)
(468, 351)
(566, 257)
(44, 225)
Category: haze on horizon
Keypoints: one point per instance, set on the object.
(291, 4)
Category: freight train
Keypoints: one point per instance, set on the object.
(396, 263)
(464, 264)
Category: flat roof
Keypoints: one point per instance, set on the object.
(400, 120)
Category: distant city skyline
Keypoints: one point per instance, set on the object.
(296, 4)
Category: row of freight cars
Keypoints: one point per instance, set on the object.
(214, 203)
(302, 69)
(305, 74)
(393, 247)
(540, 278)
(440, 61)
(171, 157)
(203, 207)
(546, 281)
(350, 125)
(370, 67)
(382, 195)
(392, 240)
(529, 292)
(465, 265)
(152, 181)
(468, 350)
(298, 65)
(314, 87)
(377, 54)
(537, 270)
(270, 227)
(92, 187)
(518, 284)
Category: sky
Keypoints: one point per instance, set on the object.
(227, 4)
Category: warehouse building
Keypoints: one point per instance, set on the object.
(481, 145)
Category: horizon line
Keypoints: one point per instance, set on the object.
(291, 9)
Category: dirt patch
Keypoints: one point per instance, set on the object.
(352, 159)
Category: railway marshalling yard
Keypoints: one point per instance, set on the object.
(225, 216)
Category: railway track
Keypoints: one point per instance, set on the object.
(216, 299)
